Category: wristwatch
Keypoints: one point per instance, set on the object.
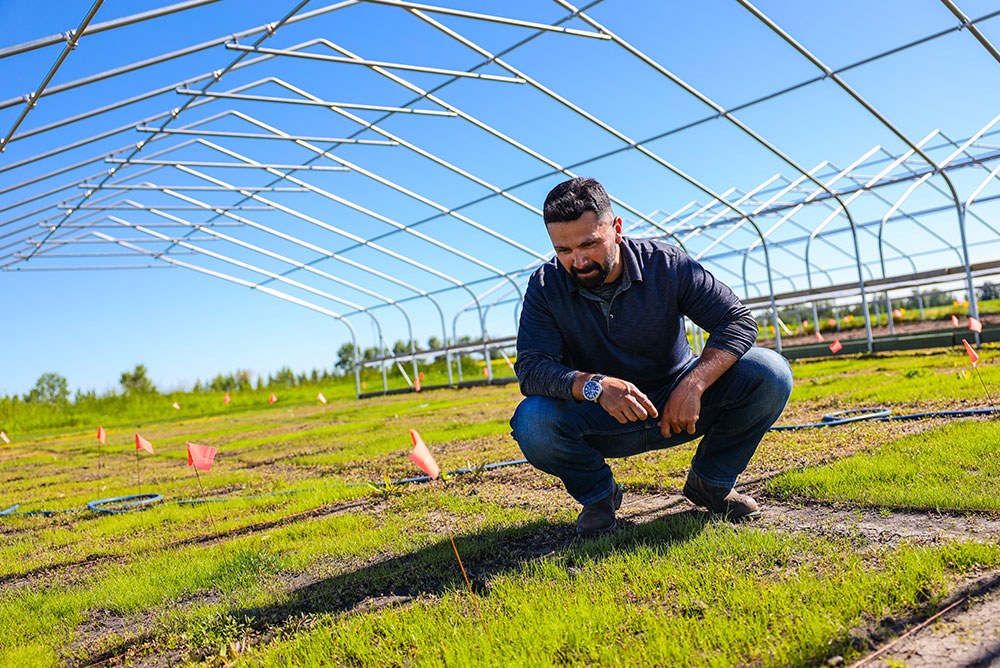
(592, 388)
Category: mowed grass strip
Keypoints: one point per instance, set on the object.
(940, 376)
(673, 592)
(954, 466)
(37, 542)
(165, 593)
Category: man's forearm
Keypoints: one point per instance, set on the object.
(710, 367)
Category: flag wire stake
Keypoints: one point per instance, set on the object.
(211, 516)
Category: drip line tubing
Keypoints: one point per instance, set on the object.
(125, 504)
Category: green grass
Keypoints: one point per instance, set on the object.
(955, 466)
(300, 576)
(673, 593)
(940, 376)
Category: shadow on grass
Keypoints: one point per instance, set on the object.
(434, 569)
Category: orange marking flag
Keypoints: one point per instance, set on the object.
(954, 321)
(975, 325)
(272, 398)
(832, 322)
(200, 456)
(321, 398)
(422, 457)
(421, 375)
(4, 438)
(897, 313)
(973, 355)
(143, 444)
(819, 336)
(835, 347)
(486, 372)
(416, 383)
(177, 406)
(226, 399)
(102, 435)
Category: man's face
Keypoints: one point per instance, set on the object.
(587, 247)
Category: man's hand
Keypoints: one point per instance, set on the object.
(682, 410)
(624, 401)
(683, 407)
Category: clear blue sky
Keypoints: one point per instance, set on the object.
(90, 326)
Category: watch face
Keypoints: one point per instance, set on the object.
(591, 390)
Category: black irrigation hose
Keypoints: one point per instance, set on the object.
(124, 504)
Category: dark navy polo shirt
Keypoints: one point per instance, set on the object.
(639, 336)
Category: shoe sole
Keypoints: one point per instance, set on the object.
(756, 514)
(597, 532)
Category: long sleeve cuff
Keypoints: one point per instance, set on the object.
(538, 374)
(736, 333)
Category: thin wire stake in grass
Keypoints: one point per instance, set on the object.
(102, 437)
(422, 457)
(974, 358)
(475, 599)
(211, 517)
(201, 457)
(142, 443)
(988, 396)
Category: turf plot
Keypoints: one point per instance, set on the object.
(295, 567)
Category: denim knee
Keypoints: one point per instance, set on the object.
(532, 425)
(775, 376)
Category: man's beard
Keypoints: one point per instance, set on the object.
(591, 280)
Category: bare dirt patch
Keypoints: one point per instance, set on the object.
(965, 633)
(880, 526)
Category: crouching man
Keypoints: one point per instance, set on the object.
(604, 363)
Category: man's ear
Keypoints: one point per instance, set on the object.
(618, 230)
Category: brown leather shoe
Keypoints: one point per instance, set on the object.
(727, 502)
(599, 517)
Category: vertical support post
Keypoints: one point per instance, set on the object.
(973, 306)
(888, 311)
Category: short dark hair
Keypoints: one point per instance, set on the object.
(571, 199)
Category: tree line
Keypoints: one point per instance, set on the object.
(53, 389)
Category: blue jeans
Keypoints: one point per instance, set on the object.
(571, 440)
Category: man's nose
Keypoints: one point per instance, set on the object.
(580, 260)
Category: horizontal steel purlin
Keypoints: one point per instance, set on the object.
(168, 207)
(373, 63)
(250, 135)
(98, 186)
(317, 103)
(103, 26)
(448, 11)
(197, 163)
